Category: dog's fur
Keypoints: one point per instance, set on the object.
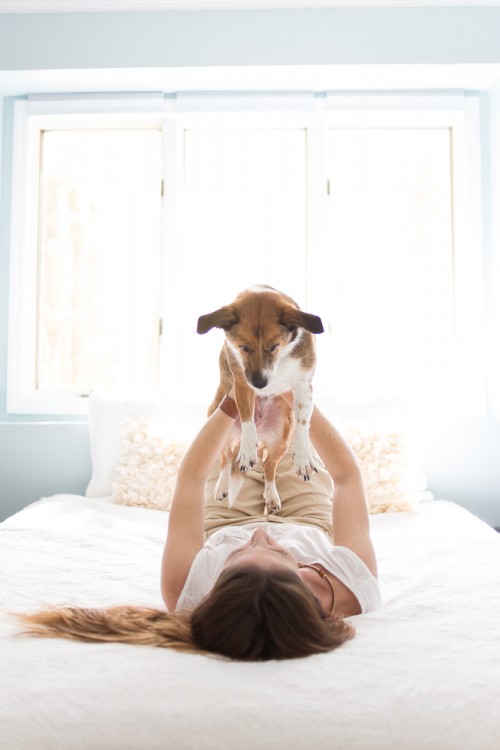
(269, 349)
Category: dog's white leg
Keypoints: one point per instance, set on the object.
(302, 406)
(271, 498)
(247, 457)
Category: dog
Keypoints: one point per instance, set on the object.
(269, 349)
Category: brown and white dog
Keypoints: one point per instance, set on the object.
(269, 349)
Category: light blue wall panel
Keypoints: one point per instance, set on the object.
(284, 37)
(5, 174)
(492, 247)
(462, 463)
(38, 460)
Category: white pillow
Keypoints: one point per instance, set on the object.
(106, 417)
(383, 434)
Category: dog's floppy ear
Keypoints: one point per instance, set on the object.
(223, 318)
(292, 317)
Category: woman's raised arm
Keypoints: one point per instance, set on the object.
(185, 527)
(350, 519)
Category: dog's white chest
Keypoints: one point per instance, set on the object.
(289, 375)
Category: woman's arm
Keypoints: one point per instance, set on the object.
(185, 527)
(350, 519)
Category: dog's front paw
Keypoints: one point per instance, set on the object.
(304, 465)
(247, 457)
(271, 499)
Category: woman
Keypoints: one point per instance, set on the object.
(242, 584)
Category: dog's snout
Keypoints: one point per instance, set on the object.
(259, 380)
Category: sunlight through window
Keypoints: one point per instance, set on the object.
(390, 265)
(98, 289)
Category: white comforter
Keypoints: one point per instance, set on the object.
(424, 672)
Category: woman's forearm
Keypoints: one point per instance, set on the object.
(185, 526)
(336, 455)
(350, 519)
(206, 446)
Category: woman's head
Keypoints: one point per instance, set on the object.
(256, 613)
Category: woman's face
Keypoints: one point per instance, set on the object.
(264, 551)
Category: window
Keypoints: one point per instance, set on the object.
(354, 207)
(98, 260)
(244, 223)
(391, 262)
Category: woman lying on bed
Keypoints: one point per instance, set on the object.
(245, 585)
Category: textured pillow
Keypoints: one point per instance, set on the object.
(392, 477)
(148, 465)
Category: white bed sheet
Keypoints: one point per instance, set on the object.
(423, 672)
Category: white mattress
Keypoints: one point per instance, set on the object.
(423, 672)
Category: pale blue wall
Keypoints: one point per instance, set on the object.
(461, 459)
(272, 37)
(38, 460)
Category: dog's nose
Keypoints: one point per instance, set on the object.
(259, 380)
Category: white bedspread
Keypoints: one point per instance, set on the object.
(424, 672)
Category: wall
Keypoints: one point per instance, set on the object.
(37, 459)
(291, 37)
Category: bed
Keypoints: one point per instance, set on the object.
(423, 673)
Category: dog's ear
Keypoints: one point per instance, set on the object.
(292, 317)
(223, 318)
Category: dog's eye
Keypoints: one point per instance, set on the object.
(245, 349)
(273, 348)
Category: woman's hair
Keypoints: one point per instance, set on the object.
(250, 614)
(254, 614)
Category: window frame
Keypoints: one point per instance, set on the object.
(460, 113)
(317, 113)
(31, 117)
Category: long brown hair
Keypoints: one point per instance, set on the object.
(250, 614)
